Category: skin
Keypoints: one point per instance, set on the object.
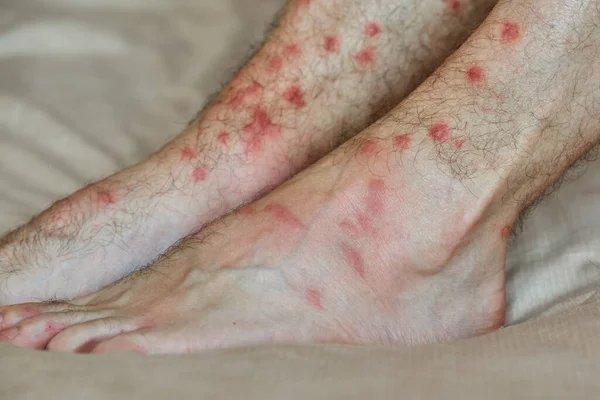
(397, 236)
(328, 70)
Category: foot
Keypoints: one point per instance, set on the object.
(322, 75)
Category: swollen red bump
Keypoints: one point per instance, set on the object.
(401, 142)
(295, 96)
(365, 57)
(368, 147)
(511, 32)
(439, 132)
(313, 298)
(375, 194)
(255, 132)
(105, 197)
(505, 231)
(284, 215)
(372, 29)
(354, 259)
(199, 174)
(331, 44)
(453, 5)
(223, 137)
(187, 153)
(459, 143)
(238, 96)
(275, 64)
(292, 50)
(475, 74)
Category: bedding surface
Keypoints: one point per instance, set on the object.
(88, 87)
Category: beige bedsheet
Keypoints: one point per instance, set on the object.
(89, 86)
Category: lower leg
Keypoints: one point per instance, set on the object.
(326, 71)
(397, 236)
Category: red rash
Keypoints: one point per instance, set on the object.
(505, 231)
(354, 259)
(368, 147)
(475, 74)
(372, 29)
(401, 142)
(199, 174)
(304, 3)
(255, 132)
(223, 137)
(439, 132)
(246, 210)
(331, 44)
(292, 50)
(188, 153)
(459, 143)
(295, 96)
(511, 32)
(374, 196)
(105, 197)
(275, 64)
(238, 96)
(313, 298)
(365, 57)
(453, 5)
(284, 215)
(348, 227)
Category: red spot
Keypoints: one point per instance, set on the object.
(275, 64)
(348, 227)
(439, 132)
(234, 323)
(256, 131)
(199, 174)
(223, 137)
(364, 222)
(372, 29)
(331, 44)
(505, 231)
(459, 143)
(50, 327)
(368, 147)
(511, 32)
(292, 50)
(313, 298)
(105, 197)
(401, 142)
(188, 153)
(375, 196)
(304, 3)
(475, 74)
(295, 96)
(284, 215)
(246, 210)
(354, 259)
(365, 57)
(453, 5)
(237, 97)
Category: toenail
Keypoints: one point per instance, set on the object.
(9, 334)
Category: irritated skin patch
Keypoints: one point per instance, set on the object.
(372, 29)
(505, 232)
(401, 142)
(223, 137)
(511, 32)
(439, 132)
(284, 215)
(295, 96)
(313, 298)
(105, 197)
(454, 6)
(365, 57)
(331, 44)
(258, 129)
(199, 174)
(368, 147)
(354, 259)
(187, 153)
(475, 75)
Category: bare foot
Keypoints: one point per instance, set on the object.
(322, 75)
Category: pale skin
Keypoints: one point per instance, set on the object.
(397, 236)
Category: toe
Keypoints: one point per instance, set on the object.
(135, 341)
(36, 332)
(12, 315)
(82, 338)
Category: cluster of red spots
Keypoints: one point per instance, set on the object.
(292, 50)
(511, 32)
(372, 29)
(439, 132)
(284, 215)
(365, 56)
(453, 5)
(368, 147)
(223, 137)
(199, 174)
(354, 259)
(105, 197)
(401, 142)
(375, 193)
(313, 298)
(475, 74)
(275, 64)
(294, 95)
(258, 129)
(187, 153)
(459, 143)
(237, 97)
(505, 231)
(331, 44)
